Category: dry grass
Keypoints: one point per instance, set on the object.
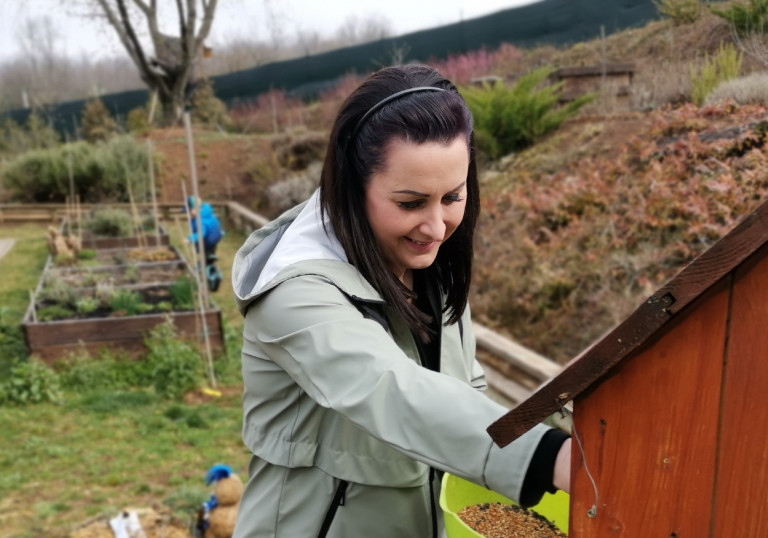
(747, 90)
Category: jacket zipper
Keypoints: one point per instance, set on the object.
(338, 500)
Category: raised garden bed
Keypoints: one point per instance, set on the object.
(51, 340)
(113, 300)
(119, 256)
(93, 241)
(109, 227)
(120, 275)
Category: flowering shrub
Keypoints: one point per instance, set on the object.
(272, 112)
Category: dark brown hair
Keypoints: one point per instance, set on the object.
(355, 152)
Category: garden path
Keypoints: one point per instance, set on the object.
(5, 246)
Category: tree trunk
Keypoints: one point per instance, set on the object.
(170, 71)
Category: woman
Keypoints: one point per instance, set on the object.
(361, 384)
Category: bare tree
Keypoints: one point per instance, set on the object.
(170, 72)
(41, 77)
(373, 27)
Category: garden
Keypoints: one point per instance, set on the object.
(134, 433)
(583, 216)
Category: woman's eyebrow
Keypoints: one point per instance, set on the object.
(423, 195)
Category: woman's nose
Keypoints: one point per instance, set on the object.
(433, 225)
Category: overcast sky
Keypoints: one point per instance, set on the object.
(245, 18)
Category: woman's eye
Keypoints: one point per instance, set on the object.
(410, 205)
(451, 198)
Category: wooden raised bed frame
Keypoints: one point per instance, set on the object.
(52, 340)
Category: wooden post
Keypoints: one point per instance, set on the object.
(202, 285)
(152, 191)
(152, 107)
(134, 211)
(32, 306)
(71, 185)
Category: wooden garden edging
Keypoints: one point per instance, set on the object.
(51, 340)
(54, 213)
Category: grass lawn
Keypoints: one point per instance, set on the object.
(101, 451)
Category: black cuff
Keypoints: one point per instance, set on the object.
(538, 478)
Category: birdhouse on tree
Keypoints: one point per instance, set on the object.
(669, 408)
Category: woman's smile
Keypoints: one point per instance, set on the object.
(417, 201)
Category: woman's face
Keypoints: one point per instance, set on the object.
(417, 201)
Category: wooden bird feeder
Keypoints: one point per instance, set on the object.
(668, 417)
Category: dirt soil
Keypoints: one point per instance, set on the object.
(222, 164)
(153, 524)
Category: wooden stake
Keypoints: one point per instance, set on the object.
(196, 194)
(32, 306)
(135, 214)
(152, 191)
(71, 182)
(202, 286)
(79, 212)
(152, 106)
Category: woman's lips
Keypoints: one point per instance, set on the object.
(421, 246)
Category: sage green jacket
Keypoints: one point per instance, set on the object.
(332, 394)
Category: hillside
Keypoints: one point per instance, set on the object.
(578, 230)
(574, 233)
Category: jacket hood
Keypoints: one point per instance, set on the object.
(294, 244)
(206, 210)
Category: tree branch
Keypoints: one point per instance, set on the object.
(150, 13)
(205, 27)
(142, 6)
(189, 37)
(182, 30)
(139, 57)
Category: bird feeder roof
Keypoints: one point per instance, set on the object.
(643, 326)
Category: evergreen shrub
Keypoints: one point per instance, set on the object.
(509, 119)
(110, 222)
(679, 11)
(96, 123)
(749, 18)
(99, 172)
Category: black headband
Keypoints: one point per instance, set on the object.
(392, 97)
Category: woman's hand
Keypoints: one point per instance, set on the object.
(561, 477)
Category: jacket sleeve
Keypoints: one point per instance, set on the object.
(350, 364)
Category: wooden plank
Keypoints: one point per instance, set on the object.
(112, 329)
(508, 388)
(244, 217)
(53, 339)
(580, 374)
(741, 499)
(639, 329)
(149, 240)
(516, 354)
(133, 348)
(56, 212)
(649, 434)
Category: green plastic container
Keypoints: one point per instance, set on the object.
(457, 494)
